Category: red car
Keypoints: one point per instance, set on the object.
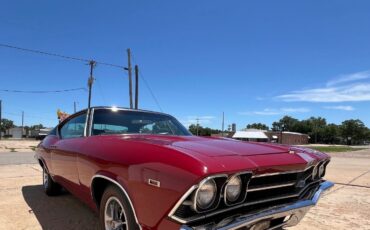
(144, 170)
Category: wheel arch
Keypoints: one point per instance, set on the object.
(99, 183)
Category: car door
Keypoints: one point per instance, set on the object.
(65, 150)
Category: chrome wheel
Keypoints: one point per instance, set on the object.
(114, 215)
(45, 179)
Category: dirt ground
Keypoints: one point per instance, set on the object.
(23, 204)
(9, 145)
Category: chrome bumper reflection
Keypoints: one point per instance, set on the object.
(293, 213)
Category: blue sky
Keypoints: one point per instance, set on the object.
(255, 60)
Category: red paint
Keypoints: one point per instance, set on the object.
(177, 162)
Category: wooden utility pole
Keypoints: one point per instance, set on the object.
(74, 107)
(90, 81)
(129, 76)
(0, 117)
(136, 87)
(22, 123)
(223, 123)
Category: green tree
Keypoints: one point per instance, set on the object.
(354, 131)
(201, 131)
(286, 123)
(257, 126)
(6, 124)
(37, 127)
(331, 134)
(317, 125)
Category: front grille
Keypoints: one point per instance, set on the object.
(263, 188)
(263, 191)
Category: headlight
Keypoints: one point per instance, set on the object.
(321, 170)
(206, 194)
(314, 172)
(233, 189)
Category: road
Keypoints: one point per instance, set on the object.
(23, 205)
(16, 158)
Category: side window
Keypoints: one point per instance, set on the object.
(74, 128)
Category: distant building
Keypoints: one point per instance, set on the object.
(288, 138)
(16, 132)
(251, 135)
(233, 127)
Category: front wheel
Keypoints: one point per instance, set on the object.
(115, 211)
(50, 187)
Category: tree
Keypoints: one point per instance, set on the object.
(354, 131)
(257, 126)
(286, 123)
(331, 134)
(317, 125)
(6, 124)
(201, 131)
(37, 127)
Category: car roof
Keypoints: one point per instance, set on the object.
(123, 108)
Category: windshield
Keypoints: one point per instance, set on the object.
(108, 121)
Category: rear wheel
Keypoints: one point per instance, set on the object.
(115, 211)
(50, 187)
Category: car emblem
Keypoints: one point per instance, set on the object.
(154, 183)
(301, 183)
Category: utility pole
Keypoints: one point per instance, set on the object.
(136, 87)
(22, 122)
(197, 126)
(0, 117)
(129, 76)
(74, 107)
(223, 123)
(90, 81)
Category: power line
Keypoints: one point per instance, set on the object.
(147, 86)
(42, 91)
(58, 55)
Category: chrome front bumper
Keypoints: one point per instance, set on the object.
(293, 213)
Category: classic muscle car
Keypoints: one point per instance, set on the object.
(144, 170)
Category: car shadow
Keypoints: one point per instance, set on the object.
(59, 212)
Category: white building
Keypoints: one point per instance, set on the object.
(251, 135)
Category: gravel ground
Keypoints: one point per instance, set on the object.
(26, 145)
(23, 204)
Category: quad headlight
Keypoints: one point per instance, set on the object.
(322, 170)
(206, 194)
(314, 172)
(233, 189)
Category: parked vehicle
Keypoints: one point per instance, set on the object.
(144, 170)
(42, 133)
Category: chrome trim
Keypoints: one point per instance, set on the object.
(123, 190)
(91, 118)
(192, 219)
(213, 202)
(86, 122)
(271, 187)
(154, 183)
(177, 205)
(297, 210)
(195, 205)
(281, 173)
(246, 188)
(183, 198)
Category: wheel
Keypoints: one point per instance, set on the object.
(50, 187)
(115, 211)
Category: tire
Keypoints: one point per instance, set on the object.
(114, 198)
(50, 187)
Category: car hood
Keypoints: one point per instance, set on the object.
(211, 147)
